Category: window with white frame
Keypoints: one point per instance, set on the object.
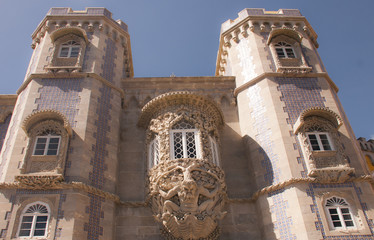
(284, 50)
(47, 145)
(213, 145)
(153, 152)
(339, 212)
(185, 142)
(319, 141)
(34, 221)
(69, 49)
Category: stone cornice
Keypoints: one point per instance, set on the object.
(274, 74)
(71, 75)
(58, 185)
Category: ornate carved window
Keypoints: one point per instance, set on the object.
(317, 130)
(185, 142)
(284, 50)
(47, 144)
(339, 213)
(69, 46)
(48, 133)
(69, 49)
(34, 221)
(285, 46)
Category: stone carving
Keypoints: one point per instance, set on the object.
(38, 124)
(187, 196)
(326, 166)
(39, 182)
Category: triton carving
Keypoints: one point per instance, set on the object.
(187, 196)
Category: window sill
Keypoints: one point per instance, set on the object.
(328, 153)
(68, 69)
(301, 69)
(32, 181)
(332, 174)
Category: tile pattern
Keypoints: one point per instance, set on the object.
(13, 127)
(3, 129)
(270, 161)
(60, 215)
(318, 224)
(299, 94)
(246, 62)
(61, 95)
(96, 177)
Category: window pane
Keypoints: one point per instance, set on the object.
(40, 225)
(178, 145)
(337, 224)
(74, 52)
(41, 218)
(290, 53)
(333, 211)
(64, 52)
(345, 210)
(23, 233)
(325, 142)
(39, 232)
(26, 226)
(280, 53)
(349, 223)
(54, 140)
(314, 142)
(335, 217)
(51, 152)
(191, 145)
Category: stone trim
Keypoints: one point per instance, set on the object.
(274, 74)
(180, 98)
(318, 111)
(69, 75)
(115, 198)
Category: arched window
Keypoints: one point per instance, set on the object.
(319, 140)
(185, 142)
(153, 152)
(339, 213)
(47, 143)
(34, 220)
(284, 50)
(69, 49)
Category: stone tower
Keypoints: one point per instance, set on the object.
(301, 148)
(65, 125)
(262, 150)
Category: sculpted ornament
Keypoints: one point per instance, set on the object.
(187, 196)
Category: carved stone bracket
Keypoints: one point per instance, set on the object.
(187, 197)
(39, 181)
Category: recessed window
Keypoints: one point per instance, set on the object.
(34, 221)
(47, 145)
(184, 141)
(339, 213)
(284, 50)
(69, 49)
(153, 152)
(320, 141)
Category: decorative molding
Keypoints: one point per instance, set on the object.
(183, 98)
(273, 74)
(111, 196)
(46, 114)
(187, 197)
(324, 112)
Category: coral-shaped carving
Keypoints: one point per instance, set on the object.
(39, 182)
(187, 196)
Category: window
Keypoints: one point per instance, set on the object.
(319, 141)
(213, 145)
(69, 49)
(339, 213)
(47, 145)
(153, 152)
(184, 141)
(34, 221)
(284, 50)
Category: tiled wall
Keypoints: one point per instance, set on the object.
(61, 95)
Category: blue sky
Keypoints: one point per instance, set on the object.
(181, 37)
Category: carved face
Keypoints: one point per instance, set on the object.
(187, 197)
